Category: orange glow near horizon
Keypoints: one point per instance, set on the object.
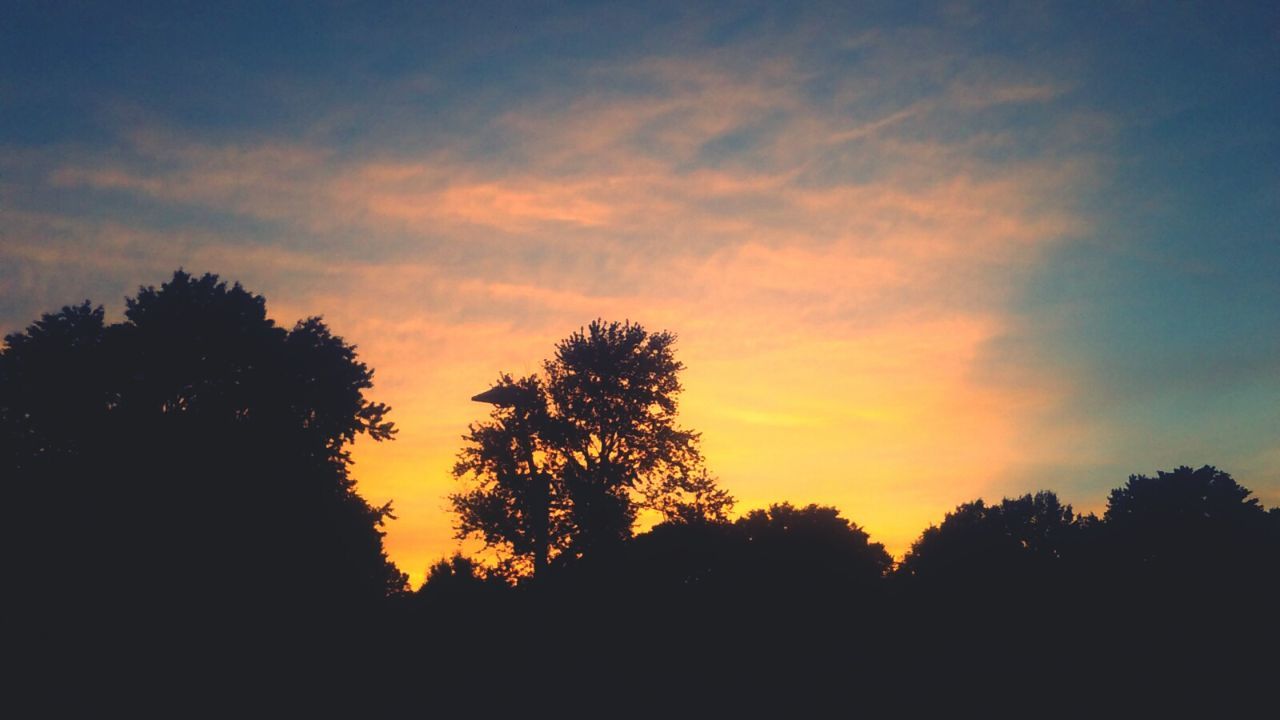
(886, 424)
(912, 256)
(836, 290)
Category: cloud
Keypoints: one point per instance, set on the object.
(834, 262)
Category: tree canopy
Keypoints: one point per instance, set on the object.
(188, 468)
(194, 451)
(568, 458)
(1186, 522)
(811, 545)
(981, 544)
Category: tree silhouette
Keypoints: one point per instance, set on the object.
(1186, 523)
(567, 459)
(53, 388)
(614, 387)
(193, 456)
(810, 547)
(516, 502)
(986, 546)
(690, 498)
(779, 554)
(459, 583)
(996, 540)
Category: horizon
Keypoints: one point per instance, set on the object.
(913, 256)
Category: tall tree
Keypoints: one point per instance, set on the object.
(195, 454)
(516, 503)
(567, 460)
(614, 387)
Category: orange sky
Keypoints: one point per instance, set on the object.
(835, 349)
(835, 329)
(913, 256)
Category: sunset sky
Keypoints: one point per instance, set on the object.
(914, 254)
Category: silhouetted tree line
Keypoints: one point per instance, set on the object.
(184, 473)
(1190, 530)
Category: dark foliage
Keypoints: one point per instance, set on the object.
(179, 482)
(1195, 532)
(1185, 519)
(1021, 540)
(567, 459)
(810, 548)
(458, 583)
(188, 462)
(1025, 590)
(516, 502)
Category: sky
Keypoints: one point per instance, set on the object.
(914, 254)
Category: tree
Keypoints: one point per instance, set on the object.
(568, 458)
(516, 503)
(1185, 522)
(989, 545)
(458, 583)
(811, 546)
(194, 456)
(690, 498)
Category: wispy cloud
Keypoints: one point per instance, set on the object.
(834, 254)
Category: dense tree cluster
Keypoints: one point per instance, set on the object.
(1186, 525)
(187, 467)
(192, 458)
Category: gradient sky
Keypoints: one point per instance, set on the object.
(914, 254)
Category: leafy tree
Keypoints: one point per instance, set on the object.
(704, 575)
(1186, 521)
(690, 498)
(613, 388)
(53, 389)
(457, 581)
(194, 455)
(568, 458)
(517, 503)
(810, 545)
(980, 543)
(682, 556)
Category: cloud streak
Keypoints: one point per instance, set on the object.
(836, 255)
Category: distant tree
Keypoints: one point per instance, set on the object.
(687, 556)
(690, 572)
(567, 459)
(1185, 522)
(980, 544)
(809, 546)
(459, 580)
(54, 390)
(193, 454)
